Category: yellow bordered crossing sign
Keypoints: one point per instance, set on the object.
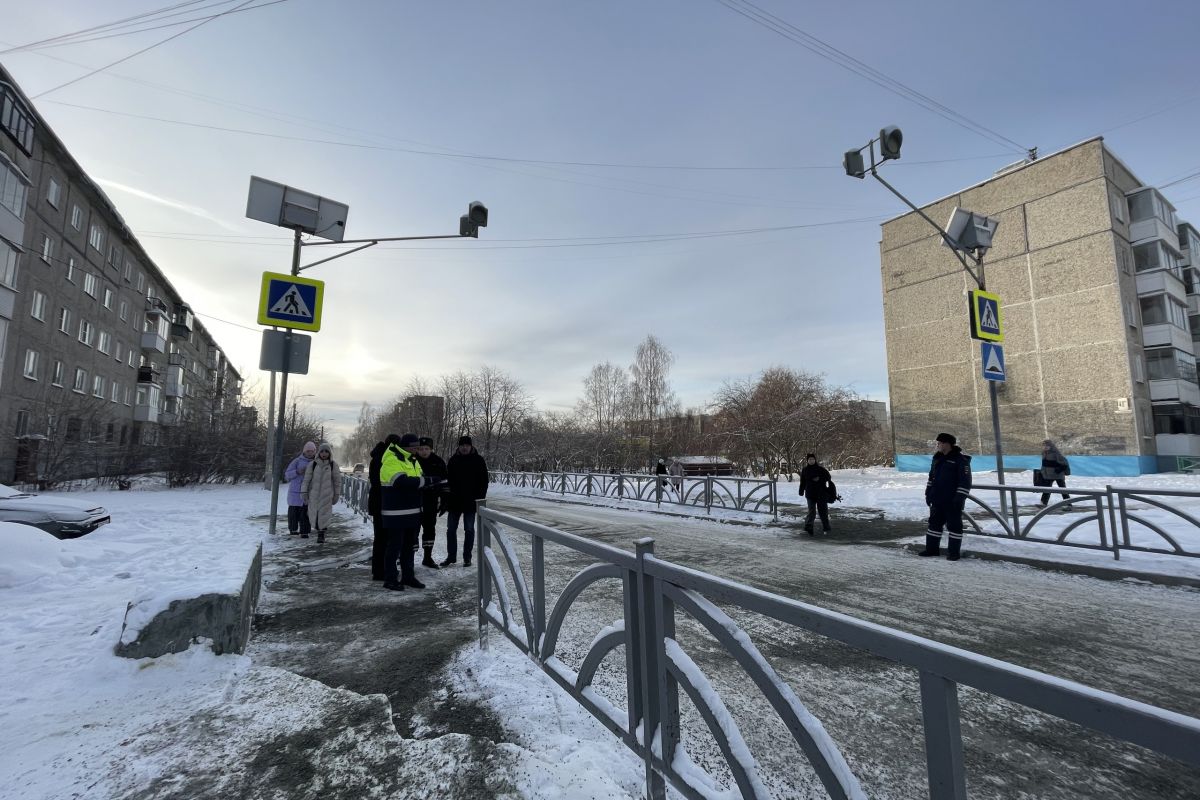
(986, 323)
(289, 301)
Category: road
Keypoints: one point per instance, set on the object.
(1141, 641)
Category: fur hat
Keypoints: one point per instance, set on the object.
(948, 438)
(465, 440)
(425, 441)
(408, 440)
(813, 456)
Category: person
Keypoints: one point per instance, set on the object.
(814, 487)
(433, 466)
(677, 476)
(946, 494)
(400, 499)
(379, 538)
(661, 469)
(321, 489)
(294, 475)
(468, 474)
(1055, 469)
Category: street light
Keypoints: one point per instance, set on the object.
(967, 235)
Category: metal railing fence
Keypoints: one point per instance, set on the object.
(654, 592)
(739, 494)
(1113, 510)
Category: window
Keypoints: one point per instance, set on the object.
(58, 373)
(1191, 279)
(1194, 324)
(8, 265)
(47, 248)
(1176, 419)
(86, 332)
(128, 395)
(124, 432)
(96, 238)
(141, 281)
(1139, 369)
(76, 217)
(117, 351)
(1155, 255)
(98, 387)
(105, 343)
(128, 271)
(91, 284)
(1160, 309)
(22, 423)
(74, 427)
(1119, 211)
(1131, 314)
(16, 119)
(80, 379)
(13, 190)
(37, 309)
(53, 193)
(124, 313)
(71, 268)
(1123, 259)
(115, 395)
(132, 356)
(31, 365)
(64, 320)
(110, 433)
(1167, 363)
(108, 298)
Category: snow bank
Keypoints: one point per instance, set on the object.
(29, 553)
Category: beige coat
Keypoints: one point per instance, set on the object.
(321, 489)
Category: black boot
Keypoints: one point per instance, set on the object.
(953, 548)
(932, 545)
(466, 561)
(428, 561)
(449, 560)
(320, 537)
(809, 531)
(413, 582)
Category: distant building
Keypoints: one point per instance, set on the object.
(876, 410)
(423, 415)
(694, 466)
(98, 351)
(1098, 286)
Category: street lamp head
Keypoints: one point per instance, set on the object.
(890, 139)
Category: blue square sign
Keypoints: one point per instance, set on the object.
(993, 361)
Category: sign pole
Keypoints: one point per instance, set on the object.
(287, 360)
(995, 415)
(270, 454)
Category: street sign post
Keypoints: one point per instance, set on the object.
(986, 322)
(992, 357)
(289, 301)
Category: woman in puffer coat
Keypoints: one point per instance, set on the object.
(321, 489)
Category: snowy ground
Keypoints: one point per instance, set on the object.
(349, 691)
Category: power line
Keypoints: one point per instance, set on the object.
(144, 49)
(830, 53)
(94, 28)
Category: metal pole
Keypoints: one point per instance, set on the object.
(287, 362)
(999, 450)
(270, 456)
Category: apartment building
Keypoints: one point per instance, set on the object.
(1099, 289)
(98, 351)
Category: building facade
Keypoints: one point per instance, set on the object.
(1098, 297)
(100, 356)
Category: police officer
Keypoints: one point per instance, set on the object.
(402, 484)
(946, 494)
(432, 466)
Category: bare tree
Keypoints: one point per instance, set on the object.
(605, 398)
(651, 395)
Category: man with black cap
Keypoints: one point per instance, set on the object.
(814, 486)
(946, 494)
(402, 488)
(468, 475)
(379, 542)
(432, 466)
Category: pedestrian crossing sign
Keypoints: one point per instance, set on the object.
(289, 301)
(992, 356)
(985, 316)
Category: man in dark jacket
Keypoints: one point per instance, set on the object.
(379, 541)
(468, 475)
(946, 494)
(814, 486)
(432, 466)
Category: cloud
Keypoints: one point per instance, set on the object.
(175, 205)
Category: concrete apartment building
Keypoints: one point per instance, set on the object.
(98, 351)
(1099, 299)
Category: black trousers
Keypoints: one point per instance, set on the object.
(815, 507)
(298, 520)
(378, 547)
(429, 515)
(948, 516)
(1060, 481)
(401, 542)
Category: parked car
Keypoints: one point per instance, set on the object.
(62, 517)
(359, 470)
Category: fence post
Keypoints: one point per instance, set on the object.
(650, 668)
(708, 484)
(658, 487)
(539, 595)
(620, 486)
(589, 484)
(483, 584)
(775, 500)
(943, 738)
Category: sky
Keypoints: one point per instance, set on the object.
(668, 125)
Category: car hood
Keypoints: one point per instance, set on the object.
(49, 505)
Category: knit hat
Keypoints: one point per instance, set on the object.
(465, 440)
(425, 441)
(948, 438)
(392, 438)
(810, 455)
(325, 447)
(309, 446)
(408, 440)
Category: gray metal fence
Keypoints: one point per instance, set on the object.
(738, 494)
(654, 592)
(354, 494)
(1093, 519)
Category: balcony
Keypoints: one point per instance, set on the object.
(145, 413)
(175, 359)
(183, 321)
(168, 418)
(1161, 281)
(1177, 444)
(1166, 335)
(1175, 390)
(147, 374)
(155, 307)
(153, 343)
(175, 386)
(1145, 230)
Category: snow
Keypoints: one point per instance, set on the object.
(30, 554)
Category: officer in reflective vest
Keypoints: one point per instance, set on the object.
(402, 488)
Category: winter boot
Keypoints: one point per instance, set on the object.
(413, 582)
(932, 545)
(393, 586)
(428, 560)
(467, 561)
(953, 548)
(449, 561)
(809, 531)
(304, 536)
(320, 537)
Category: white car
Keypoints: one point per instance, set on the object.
(64, 518)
